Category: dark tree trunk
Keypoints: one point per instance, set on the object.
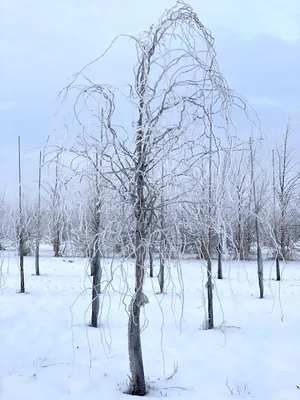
(210, 322)
(37, 257)
(220, 269)
(96, 291)
(278, 274)
(21, 254)
(151, 261)
(161, 274)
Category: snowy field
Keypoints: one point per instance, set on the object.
(48, 351)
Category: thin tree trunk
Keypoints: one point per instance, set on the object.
(137, 382)
(161, 274)
(21, 225)
(260, 272)
(162, 247)
(260, 268)
(96, 291)
(96, 269)
(151, 261)
(220, 270)
(37, 244)
(278, 273)
(277, 262)
(210, 322)
(209, 261)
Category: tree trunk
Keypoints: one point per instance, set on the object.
(57, 244)
(37, 243)
(260, 272)
(220, 270)
(162, 249)
(209, 285)
(278, 275)
(137, 381)
(209, 245)
(21, 254)
(260, 268)
(21, 225)
(161, 274)
(96, 291)
(37, 256)
(151, 261)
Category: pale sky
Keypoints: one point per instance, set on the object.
(42, 43)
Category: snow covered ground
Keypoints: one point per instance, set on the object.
(48, 351)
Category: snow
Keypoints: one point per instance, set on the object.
(48, 351)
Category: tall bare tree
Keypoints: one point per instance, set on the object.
(260, 267)
(38, 229)
(96, 269)
(176, 73)
(21, 230)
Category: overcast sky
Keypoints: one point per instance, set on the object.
(43, 42)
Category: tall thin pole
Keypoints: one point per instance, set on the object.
(21, 223)
(38, 233)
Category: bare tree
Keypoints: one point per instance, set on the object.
(56, 190)
(38, 232)
(260, 268)
(21, 230)
(288, 189)
(96, 270)
(163, 240)
(176, 74)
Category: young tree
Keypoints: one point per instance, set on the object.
(176, 73)
(21, 230)
(57, 193)
(285, 192)
(38, 230)
(96, 269)
(257, 207)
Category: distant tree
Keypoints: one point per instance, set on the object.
(257, 209)
(286, 183)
